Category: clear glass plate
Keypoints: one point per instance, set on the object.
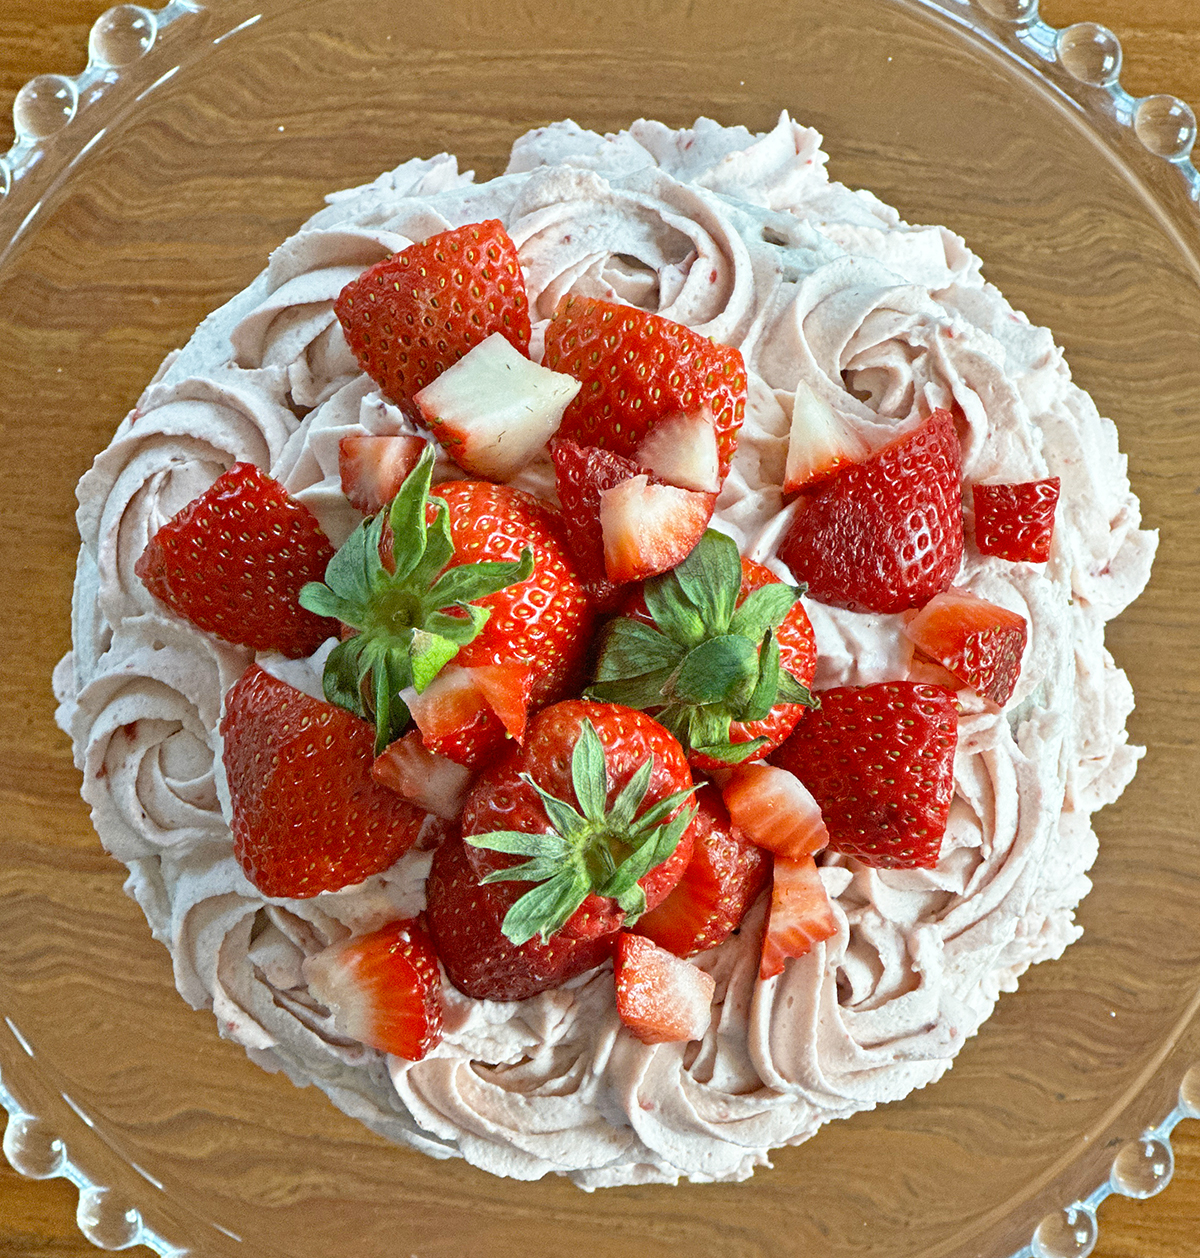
(145, 192)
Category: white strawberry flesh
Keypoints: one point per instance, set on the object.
(424, 778)
(682, 450)
(372, 468)
(648, 528)
(775, 810)
(800, 916)
(494, 409)
(819, 442)
(661, 998)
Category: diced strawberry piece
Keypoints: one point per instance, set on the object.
(234, 560)
(886, 534)
(506, 688)
(721, 881)
(800, 915)
(927, 672)
(637, 369)
(682, 450)
(383, 989)
(582, 474)
(494, 409)
(775, 809)
(454, 709)
(879, 760)
(660, 997)
(1016, 521)
(409, 317)
(648, 529)
(979, 642)
(819, 442)
(432, 782)
(373, 468)
(307, 815)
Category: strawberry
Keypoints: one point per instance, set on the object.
(383, 989)
(977, 641)
(647, 529)
(637, 369)
(775, 810)
(682, 450)
(234, 560)
(886, 534)
(1016, 521)
(432, 782)
(466, 923)
(660, 998)
(595, 800)
(880, 762)
(820, 442)
(721, 881)
(800, 915)
(457, 713)
(470, 572)
(409, 317)
(307, 816)
(373, 468)
(719, 650)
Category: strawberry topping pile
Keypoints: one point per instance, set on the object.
(594, 709)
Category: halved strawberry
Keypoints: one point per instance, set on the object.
(234, 561)
(800, 915)
(647, 529)
(493, 410)
(409, 317)
(307, 816)
(458, 710)
(886, 534)
(637, 369)
(721, 881)
(979, 642)
(661, 999)
(373, 468)
(432, 782)
(775, 810)
(1016, 521)
(682, 450)
(383, 989)
(879, 760)
(819, 442)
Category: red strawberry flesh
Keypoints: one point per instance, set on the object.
(1016, 521)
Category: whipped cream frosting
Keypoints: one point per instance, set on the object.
(745, 239)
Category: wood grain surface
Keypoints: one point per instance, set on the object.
(1161, 39)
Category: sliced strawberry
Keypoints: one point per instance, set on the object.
(582, 474)
(493, 410)
(383, 989)
(373, 468)
(647, 529)
(460, 709)
(409, 317)
(466, 921)
(721, 881)
(880, 762)
(886, 534)
(1016, 521)
(415, 773)
(637, 369)
(682, 450)
(661, 999)
(307, 816)
(234, 561)
(800, 915)
(507, 689)
(775, 810)
(819, 442)
(979, 642)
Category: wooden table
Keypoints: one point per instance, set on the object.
(1161, 39)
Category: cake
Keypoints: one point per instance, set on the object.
(838, 308)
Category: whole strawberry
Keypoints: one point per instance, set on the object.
(886, 534)
(234, 561)
(719, 650)
(409, 317)
(637, 369)
(307, 816)
(595, 802)
(879, 760)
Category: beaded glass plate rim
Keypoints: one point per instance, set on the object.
(1087, 60)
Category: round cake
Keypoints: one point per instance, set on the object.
(843, 314)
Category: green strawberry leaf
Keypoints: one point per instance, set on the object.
(631, 648)
(543, 910)
(719, 670)
(711, 579)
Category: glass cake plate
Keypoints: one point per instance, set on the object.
(144, 192)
